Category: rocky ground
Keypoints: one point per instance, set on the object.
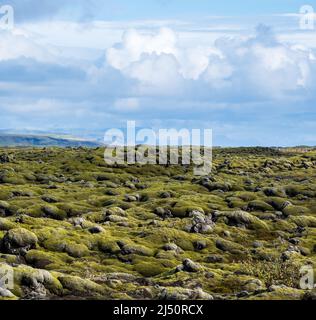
(72, 227)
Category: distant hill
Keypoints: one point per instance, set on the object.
(29, 140)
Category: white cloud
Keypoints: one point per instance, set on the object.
(15, 45)
(260, 66)
(157, 75)
(136, 47)
(218, 73)
(135, 44)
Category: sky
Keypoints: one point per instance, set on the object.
(245, 69)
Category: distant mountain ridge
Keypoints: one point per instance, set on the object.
(45, 140)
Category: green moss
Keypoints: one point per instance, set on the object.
(43, 259)
(76, 250)
(259, 201)
(295, 210)
(149, 269)
(6, 224)
(295, 190)
(53, 212)
(4, 205)
(12, 178)
(108, 246)
(182, 209)
(81, 287)
(274, 192)
(277, 203)
(66, 244)
(131, 248)
(27, 276)
(19, 238)
(304, 221)
(73, 210)
(229, 246)
(258, 205)
(240, 218)
(246, 196)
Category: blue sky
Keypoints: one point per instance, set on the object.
(166, 9)
(242, 68)
(151, 9)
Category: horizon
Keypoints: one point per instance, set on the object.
(65, 136)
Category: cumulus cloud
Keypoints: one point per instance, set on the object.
(258, 67)
(268, 67)
(134, 45)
